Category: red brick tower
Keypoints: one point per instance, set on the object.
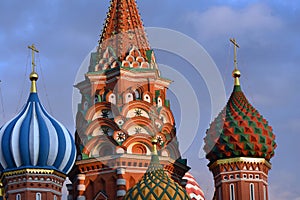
(123, 107)
(239, 146)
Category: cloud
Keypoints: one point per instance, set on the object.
(65, 32)
(216, 21)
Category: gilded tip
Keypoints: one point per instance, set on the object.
(236, 74)
(33, 78)
(154, 143)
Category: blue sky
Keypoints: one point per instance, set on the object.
(267, 31)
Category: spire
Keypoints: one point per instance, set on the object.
(154, 163)
(123, 29)
(33, 75)
(236, 73)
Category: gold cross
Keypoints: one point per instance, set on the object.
(235, 49)
(33, 50)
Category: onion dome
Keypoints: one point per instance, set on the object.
(192, 187)
(239, 130)
(156, 184)
(34, 139)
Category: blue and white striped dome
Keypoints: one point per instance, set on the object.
(34, 139)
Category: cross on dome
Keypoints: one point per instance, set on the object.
(236, 73)
(33, 75)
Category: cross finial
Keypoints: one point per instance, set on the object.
(236, 73)
(33, 51)
(235, 51)
(33, 76)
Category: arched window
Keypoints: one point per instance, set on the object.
(232, 192)
(85, 105)
(97, 99)
(55, 197)
(128, 97)
(147, 98)
(265, 192)
(38, 196)
(18, 197)
(112, 98)
(137, 94)
(252, 197)
(159, 102)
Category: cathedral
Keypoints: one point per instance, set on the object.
(125, 145)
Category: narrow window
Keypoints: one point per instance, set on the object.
(137, 94)
(55, 197)
(252, 191)
(18, 197)
(112, 99)
(232, 192)
(147, 98)
(159, 102)
(128, 97)
(265, 192)
(38, 196)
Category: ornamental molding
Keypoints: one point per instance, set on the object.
(240, 160)
(34, 172)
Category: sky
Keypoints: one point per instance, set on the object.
(267, 32)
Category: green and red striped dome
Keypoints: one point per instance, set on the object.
(239, 131)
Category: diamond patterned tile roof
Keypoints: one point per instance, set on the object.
(239, 131)
(156, 184)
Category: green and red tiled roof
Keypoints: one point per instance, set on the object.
(239, 131)
(156, 184)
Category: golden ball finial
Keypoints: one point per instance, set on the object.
(154, 141)
(33, 76)
(236, 73)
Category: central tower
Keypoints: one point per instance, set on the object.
(123, 108)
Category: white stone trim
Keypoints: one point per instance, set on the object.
(121, 181)
(239, 179)
(81, 187)
(81, 177)
(121, 171)
(34, 190)
(36, 181)
(121, 193)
